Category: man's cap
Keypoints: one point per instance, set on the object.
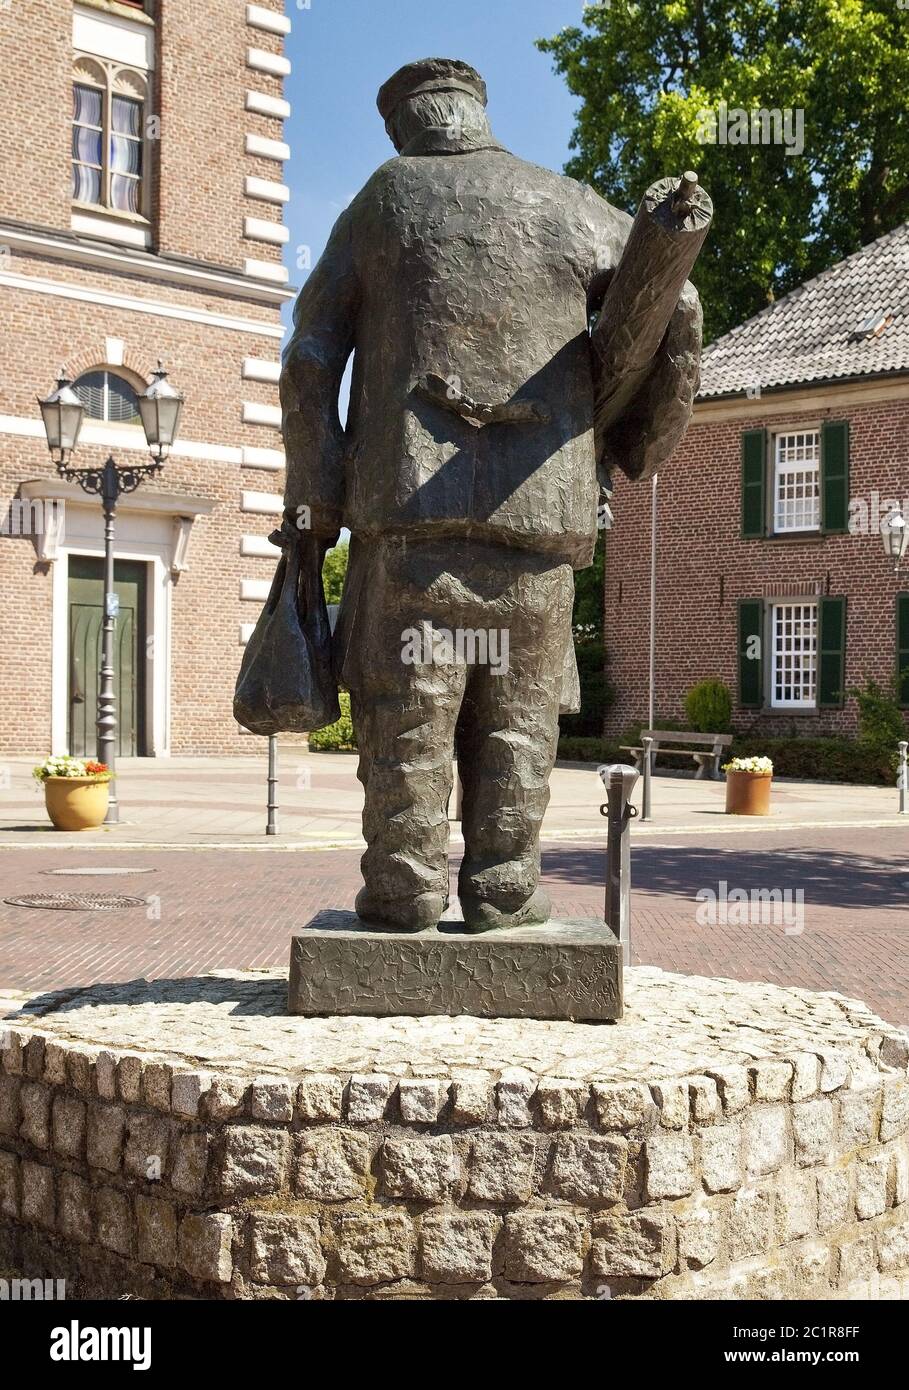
(430, 75)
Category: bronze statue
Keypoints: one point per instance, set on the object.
(464, 281)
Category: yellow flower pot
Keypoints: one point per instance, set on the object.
(76, 803)
(748, 793)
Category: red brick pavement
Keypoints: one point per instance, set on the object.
(210, 909)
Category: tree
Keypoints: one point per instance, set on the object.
(334, 569)
(652, 77)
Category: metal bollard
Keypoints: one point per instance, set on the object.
(620, 780)
(902, 779)
(648, 770)
(271, 826)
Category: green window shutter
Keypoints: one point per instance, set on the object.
(831, 649)
(835, 476)
(751, 653)
(754, 471)
(902, 646)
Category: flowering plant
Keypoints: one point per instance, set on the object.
(62, 765)
(762, 767)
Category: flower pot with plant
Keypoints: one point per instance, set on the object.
(76, 791)
(748, 783)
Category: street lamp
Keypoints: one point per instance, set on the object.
(895, 535)
(62, 411)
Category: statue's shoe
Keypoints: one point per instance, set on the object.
(480, 916)
(400, 914)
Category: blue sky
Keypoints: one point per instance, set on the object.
(343, 50)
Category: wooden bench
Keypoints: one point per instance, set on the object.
(705, 749)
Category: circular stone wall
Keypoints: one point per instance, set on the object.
(188, 1137)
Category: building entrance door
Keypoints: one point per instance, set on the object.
(86, 600)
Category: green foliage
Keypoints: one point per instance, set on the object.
(589, 750)
(820, 759)
(645, 72)
(882, 723)
(337, 738)
(587, 615)
(334, 569)
(590, 651)
(708, 707)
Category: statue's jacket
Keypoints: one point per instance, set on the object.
(461, 279)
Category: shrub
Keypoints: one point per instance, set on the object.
(881, 721)
(339, 737)
(589, 750)
(596, 693)
(708, 706)
(819, 759)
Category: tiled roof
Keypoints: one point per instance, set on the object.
(812, 334)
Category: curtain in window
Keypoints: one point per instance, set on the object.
(125, 153)
(87, 136)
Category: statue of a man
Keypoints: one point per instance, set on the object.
(462, 279)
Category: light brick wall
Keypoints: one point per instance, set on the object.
(704, 567)
(200, 206)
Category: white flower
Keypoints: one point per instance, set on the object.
(763, 767)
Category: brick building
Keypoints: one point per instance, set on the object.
(141, 201)
(771, 572)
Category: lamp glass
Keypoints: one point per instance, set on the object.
(160, 408)
(896, 535)
(62, 414)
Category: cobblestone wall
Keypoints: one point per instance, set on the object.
(785, 1178)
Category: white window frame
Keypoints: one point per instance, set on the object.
(793, 622)
(796, 470)
(112, 79)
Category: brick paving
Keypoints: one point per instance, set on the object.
(210, 909)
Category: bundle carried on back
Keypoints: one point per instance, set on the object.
(665, 238)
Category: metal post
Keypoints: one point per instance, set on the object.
(647, 769)
(651, 679)
(106, 723)
(620, 780)
(271, 826)
(903, 775)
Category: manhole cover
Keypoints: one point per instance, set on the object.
(76, 902)
(88, 872)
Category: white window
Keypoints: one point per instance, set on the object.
(108, 152)
(794, 655)
(797, 481)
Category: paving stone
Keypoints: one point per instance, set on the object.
(812, 1123)
(501, 1167)
(187, 1090)
(621, 1106)
(630, 1245)
(68, 1124)
(562, 1103)
(419, 1169)
(376, 1249)
(106, 1075)
(105, 1136)
(155, 1087)
(834, 1204)
(472, 1098)
(420, 1101)
(36, 1103)
(542, 1247)
(10, 1087)
(320, 1098)
(272, 1100)
(156, 1229)
(225, 1098)
(367, 1098)
(114, 1220)
(513, 1095)
(204, 1245)
(871, 1186)
(588, 1168)
(255, 1161)
(721, 1165)
(147, 1146)
(704, 1099)
(669, 1165)
(771, 1079)
(285, 1249)
(806, 1076)
(859, 1112)
(74, 1207)
(766, 1139)
(796, 1207)
(858, 1262)
(38, 1197)
(732, 1085)
(699, 1235)
(190, 1164)
(750, 1222)
(671, 1099)
(333, 1164)
(54, 1068)
(895, 1109)
(456, 1247)
(9, 1185)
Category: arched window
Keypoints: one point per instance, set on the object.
(107, 396)
(108, 146)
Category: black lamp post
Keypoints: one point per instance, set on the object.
(159, 407)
